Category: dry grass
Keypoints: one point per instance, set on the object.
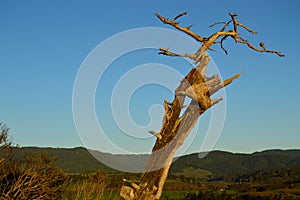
(86, 190)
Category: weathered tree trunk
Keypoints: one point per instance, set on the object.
(176, 127)
(173, 133)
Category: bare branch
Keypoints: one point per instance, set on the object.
(221, 43)
(235, 23)
(261, 44)
(248, 29)
(176, 25)
(180, 15)
(212, 39)
(224, 27)
(166, 52)
(216, 23)
(225, 24)
(155, 134)
(215, 101)
(228, 81)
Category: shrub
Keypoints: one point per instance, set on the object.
(33, 178)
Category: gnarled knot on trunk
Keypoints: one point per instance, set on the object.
(202, 91)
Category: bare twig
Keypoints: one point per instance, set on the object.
(180, 15)
(155, 134)
(221, 43)
(216, 23)
(248, 29)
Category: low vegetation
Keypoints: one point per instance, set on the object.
(35, 177)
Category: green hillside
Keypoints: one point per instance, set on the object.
(80, 160)
(220, 162)
(73, 160)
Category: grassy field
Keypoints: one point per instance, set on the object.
(194, 173)
(174, 195)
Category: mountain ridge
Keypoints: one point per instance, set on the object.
(80, 160)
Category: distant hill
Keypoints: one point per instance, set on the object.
(221, 162)
(79, 160)
(73, 160)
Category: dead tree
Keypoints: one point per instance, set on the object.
(196, 86)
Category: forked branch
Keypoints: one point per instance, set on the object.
(223, 34)
(166, 52)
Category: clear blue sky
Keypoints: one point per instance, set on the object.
(43, 43)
